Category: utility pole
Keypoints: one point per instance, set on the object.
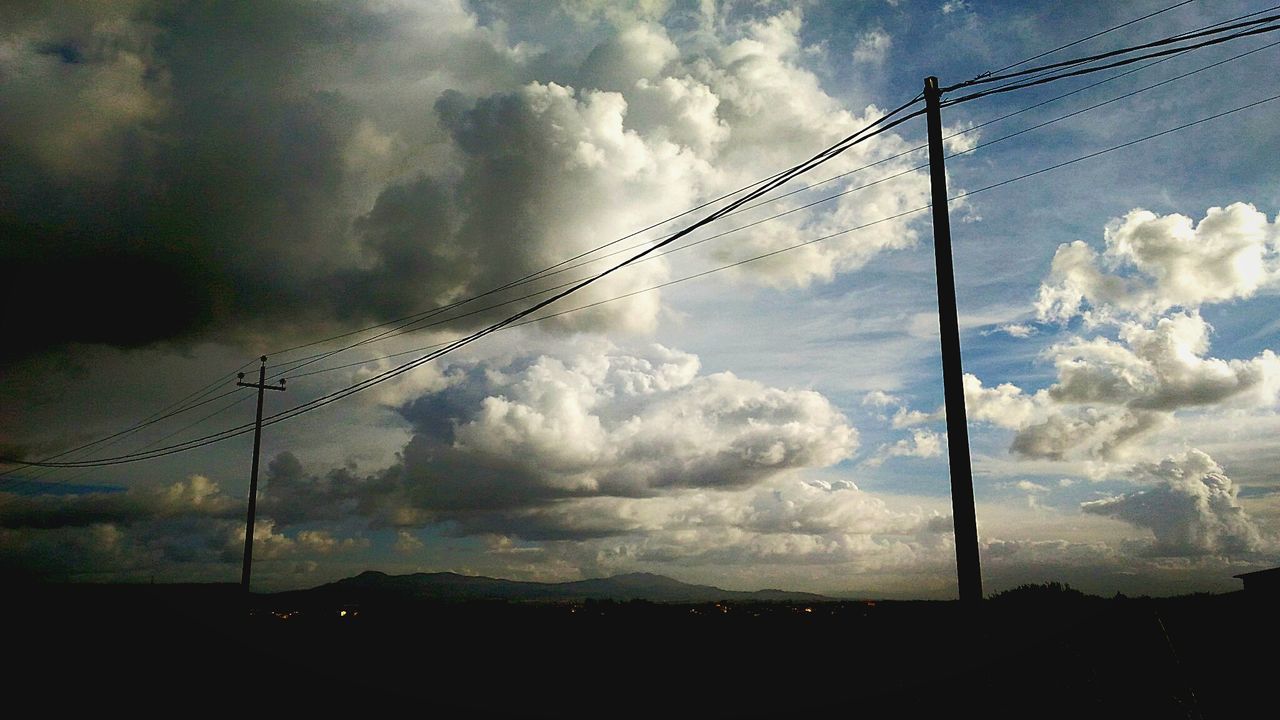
(968, 568)
(253, 477)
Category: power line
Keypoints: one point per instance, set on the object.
(846, 231)
(905, 213)
(859, 137)
(1123, 145)
(1085, 71)
(1086, 39)
(562, 267)
(529, 277)
(547, 270)
(415, 326)
(696, 242)
(190, 402)
(403, 323)
(84, 470)
(521, 318)
(737, 207)
(1208, 30)
(1182, 35)
(418, 317)
(724, 212)
(178, 407)
(415, 318)
(294, 375)
(862, 135)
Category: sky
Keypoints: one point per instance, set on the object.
(188, 186)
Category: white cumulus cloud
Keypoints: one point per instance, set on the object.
(1190, 506)
(1143, 354)
(1151, 264)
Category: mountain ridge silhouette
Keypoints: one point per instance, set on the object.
(446, 586)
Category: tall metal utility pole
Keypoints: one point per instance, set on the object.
(968, 568)
(262, 386)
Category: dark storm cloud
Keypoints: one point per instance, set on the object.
(185, 170)
(104, 532)
(175, 177)
(195, 497)
(189, 522)
(436, 414)
(290, 496)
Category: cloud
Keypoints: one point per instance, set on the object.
(76, 97)
(604, 459)
(1104, 568)
(710, 518)
(1161, 367)
(322, 542)
(291, 497)
(1005, 405)
(59, 552)
(569, 174)
(195, 497)
(189, 523)
(1109, 394)
(872, 47)
(1001, 552)
(1088, 433)
(880, 399)
(782, 521)
(205, 166)
(1189, 505)
(638, 52)
(922, 444)
(332, 166)
(619, 13)
(1018, 330)
(407, 543)
(905, 418)
(613, 424)
(1112, 392)
(554, 447)
(628, 427)
(1151, 264)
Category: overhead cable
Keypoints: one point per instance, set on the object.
(522, 318)
(1211, 30)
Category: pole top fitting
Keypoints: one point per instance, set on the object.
(263, 358)
(931, 82)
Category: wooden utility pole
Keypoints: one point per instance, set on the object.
(262, 386)
(968, 568)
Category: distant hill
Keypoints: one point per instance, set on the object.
(378, 586)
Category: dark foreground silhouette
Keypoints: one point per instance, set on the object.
(1044, 651)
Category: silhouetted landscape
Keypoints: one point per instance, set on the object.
(374, 587)
(637, 645)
